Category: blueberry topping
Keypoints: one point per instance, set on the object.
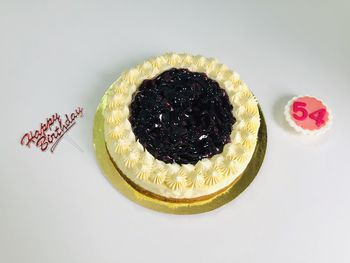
(181, 116)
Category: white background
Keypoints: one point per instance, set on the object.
(57, 55)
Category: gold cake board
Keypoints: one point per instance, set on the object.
(196, 207)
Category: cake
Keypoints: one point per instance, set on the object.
(180, 127)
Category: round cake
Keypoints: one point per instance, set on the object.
(180, 127)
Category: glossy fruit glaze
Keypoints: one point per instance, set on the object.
(181, 116)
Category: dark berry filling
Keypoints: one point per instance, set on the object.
(181, 116)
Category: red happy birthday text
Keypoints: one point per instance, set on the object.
(51, 131)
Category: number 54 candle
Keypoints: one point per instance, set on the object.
(308, 115)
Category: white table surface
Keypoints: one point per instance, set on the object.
(57, 55)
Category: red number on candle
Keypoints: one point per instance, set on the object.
(318, 116)
(299, 107)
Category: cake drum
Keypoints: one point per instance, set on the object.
(130, 190)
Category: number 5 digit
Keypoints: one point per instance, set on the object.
(299, 107)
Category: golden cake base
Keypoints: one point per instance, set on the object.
(142, 198)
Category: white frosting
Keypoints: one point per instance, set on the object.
(208, 175)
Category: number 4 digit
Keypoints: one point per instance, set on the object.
(318, 116)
